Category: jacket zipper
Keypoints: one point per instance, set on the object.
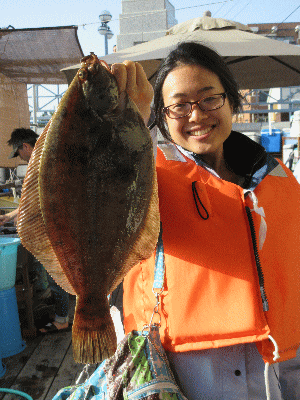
(260, 273)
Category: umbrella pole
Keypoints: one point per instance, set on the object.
(269, 119)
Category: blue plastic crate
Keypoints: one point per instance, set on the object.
(272, 143)
(273, 131)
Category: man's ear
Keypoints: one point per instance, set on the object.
(27, 147)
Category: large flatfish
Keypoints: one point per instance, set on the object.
(89, 204)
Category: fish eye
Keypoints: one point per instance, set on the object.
(82, 74)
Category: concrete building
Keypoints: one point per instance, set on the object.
(286, 31)
(144, 20)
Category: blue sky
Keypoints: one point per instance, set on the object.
(85, 14)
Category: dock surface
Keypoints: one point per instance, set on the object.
(45, 366)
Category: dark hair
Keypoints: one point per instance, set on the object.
(22, 135)
(193, 53)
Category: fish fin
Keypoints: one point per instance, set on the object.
(31, 227)
(93, 335)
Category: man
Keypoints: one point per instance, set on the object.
(23, 141)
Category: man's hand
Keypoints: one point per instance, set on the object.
(132, 78)
(4, 219)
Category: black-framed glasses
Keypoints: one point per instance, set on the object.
(209, 103)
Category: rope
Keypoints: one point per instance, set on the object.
(266, 373)
(17, 392)
(267, 382)
(84, 375)
(276, 351)
(197, 201)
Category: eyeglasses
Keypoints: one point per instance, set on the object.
(209, 103)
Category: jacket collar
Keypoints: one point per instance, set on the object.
(243, 156)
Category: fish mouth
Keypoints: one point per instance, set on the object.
(202, 131)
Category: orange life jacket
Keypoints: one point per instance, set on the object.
(211, 295)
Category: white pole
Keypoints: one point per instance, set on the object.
(269, 118)
(35, 105)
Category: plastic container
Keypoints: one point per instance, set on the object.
(21, 171)
(271, 142)
(295, 127)
(11, 342)
(2, 367)
(274, 131)
(8, 262)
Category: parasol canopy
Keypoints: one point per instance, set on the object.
(256, 61)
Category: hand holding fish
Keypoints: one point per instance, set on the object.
(132, 78)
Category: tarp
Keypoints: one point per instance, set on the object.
(14, 113)
(36, 56)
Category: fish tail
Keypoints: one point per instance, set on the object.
(93, 334)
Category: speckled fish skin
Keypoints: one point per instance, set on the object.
(98, 199)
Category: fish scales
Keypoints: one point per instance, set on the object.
(98, 199)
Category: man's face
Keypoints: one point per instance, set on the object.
(24, 151)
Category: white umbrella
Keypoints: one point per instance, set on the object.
(255, 60)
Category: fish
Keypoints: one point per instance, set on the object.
(89, 205)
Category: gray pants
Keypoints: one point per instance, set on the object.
(289, 376)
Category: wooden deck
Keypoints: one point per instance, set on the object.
(44, 367)
(46, 364)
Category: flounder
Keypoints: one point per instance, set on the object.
(89, 204)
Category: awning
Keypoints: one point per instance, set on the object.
(37, 56)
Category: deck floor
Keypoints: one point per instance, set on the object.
(44, 367)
